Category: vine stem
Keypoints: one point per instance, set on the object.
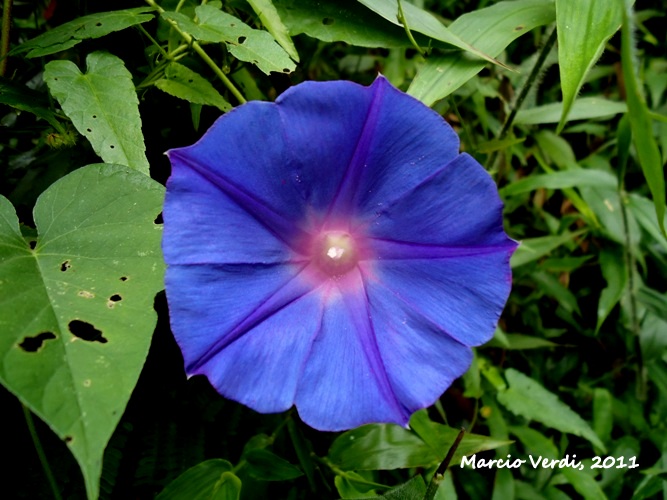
(202, 53)
(153, 41)
(40, 452)
(401, 19)
(442, 468)
(523, 93)
(4, 37)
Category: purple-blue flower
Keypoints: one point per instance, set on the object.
(333, 251)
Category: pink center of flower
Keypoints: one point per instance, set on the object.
(335, 253)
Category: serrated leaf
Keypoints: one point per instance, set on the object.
(583, 28)
(25, 99)
(423, 22)
(491, 30)
(342, 21)
(180, 81)
(615, 273)
(243, 42)
(76, 311)
(103, 106)
(270, 18)
(584, 108)
(529, 399)
(70, 34)
(208, 480)
(641, 123)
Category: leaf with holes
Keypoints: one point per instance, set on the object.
(243, 42)
(271, 20)
(76, 303)
(72, 33)
(103, 106)
(342, 21)
(180, 81)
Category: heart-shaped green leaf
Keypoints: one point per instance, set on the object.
(103, 106)
(76, 303)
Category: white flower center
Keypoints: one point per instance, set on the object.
(336, 253)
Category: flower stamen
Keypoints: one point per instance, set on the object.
(335, 253)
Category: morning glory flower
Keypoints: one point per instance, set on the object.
(335, 252)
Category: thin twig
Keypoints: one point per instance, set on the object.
(4, 38)
(439, 475)
(197, 48)
(153, 41)
(404, 22)
(530, 81)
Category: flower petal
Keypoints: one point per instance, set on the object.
(344, 383)
(203, 225)
(458, 207)
(208, 303)
(421, 360)
(261, 368)
(323, 125)
(463, 296)
(243, 154)
(349, 157)
(403, 143)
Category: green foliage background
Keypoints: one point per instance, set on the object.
(563, 101)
